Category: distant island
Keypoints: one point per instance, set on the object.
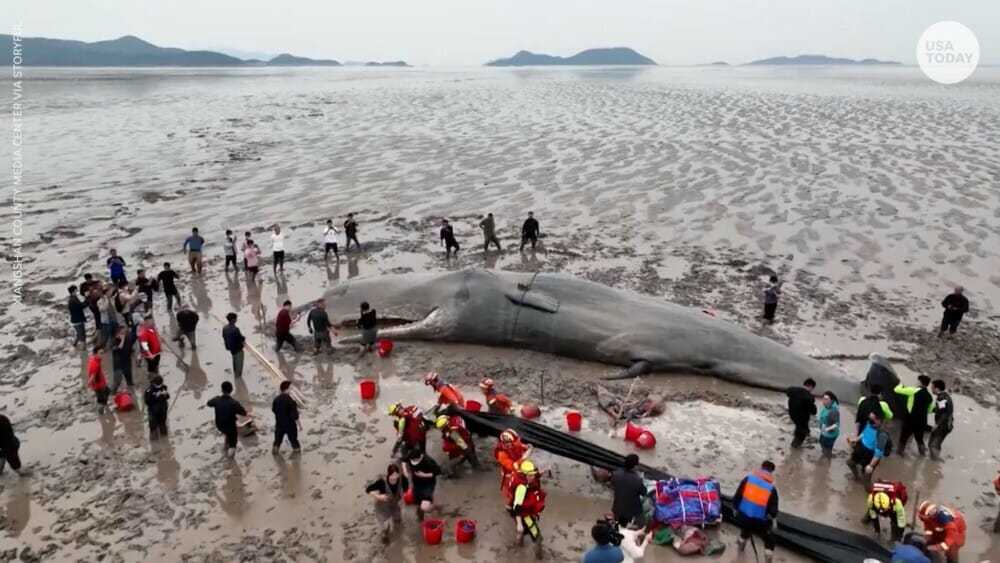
(590, 57)
(376, 63)
(819, 60)
(132, 51)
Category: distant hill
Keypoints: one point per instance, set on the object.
(124, 51)
(285, 59)
(132, 51)
(819, 60)
(611, 56)
(386, 63)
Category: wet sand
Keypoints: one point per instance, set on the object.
(866, 226)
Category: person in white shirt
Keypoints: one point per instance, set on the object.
(634, 541)
(330, 240)
(278, 249)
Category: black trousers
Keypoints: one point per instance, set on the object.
(526, 238)
(231, 260)
(153, 364)
(330, 246)
(279, 260)
(938, 435)
(914, 429)
(231, 437)
(760, 528)
(451, 244)
(158, 421)
(950, 321)
(286, 337)
(801, 432)
(11, 456)
(351, 237)
(292, 432)
(769, 309)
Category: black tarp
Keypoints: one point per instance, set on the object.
(805, 537)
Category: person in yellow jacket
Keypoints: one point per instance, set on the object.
(919, 404)
(884, 502)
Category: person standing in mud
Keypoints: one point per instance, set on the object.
(448, 239)
(90, 291)
(230, 252)
(629, 492)
(351, 233)
(116, 268)
(227, 409)
(801, 407)
(489, 227)
(234, 341)
(319, 326)
(286, 419)
(278, 249)
(869, 449)
(251, 260)
(330, 241)
(829, 423)
(955, 306)
(755, 506)
(996, 487)
(944, 418)
(149, 344)
(424, 472)
(9, 447)
(168, 284)
(193, 245)
(96, 379)
(368, 323)
(187, 322)
(121, 358)
(530, 231)
(919, 404)
(387, 491)
(771, 295)
(157, 399)
(77, 316)
(144, 286)
(247, 240)
(283, 328)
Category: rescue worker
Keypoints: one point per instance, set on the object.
(872, 402)
(456, 442)
(869, 449)
(411, 429)
(509, 451)
(496, 403)
(919, 403)
(887, 500)
(756, 504)
(525, 502)
(944, 530)
(447, 393)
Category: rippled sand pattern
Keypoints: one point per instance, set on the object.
(875, 177)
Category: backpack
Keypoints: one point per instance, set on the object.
(692, 502)
(123, 401)
(895, 489)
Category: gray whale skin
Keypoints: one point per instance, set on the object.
(570, 317)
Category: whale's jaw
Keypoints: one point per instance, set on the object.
(436, 325)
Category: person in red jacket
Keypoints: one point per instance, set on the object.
(149, 344)
(447, 393)
(97, 381)
(411, 430)
(496, 403)
(456, 440)
(283, 327)
(509, 451)
(944, 530)
(996, 485)
(525, 502)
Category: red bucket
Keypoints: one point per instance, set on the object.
(573, 421)
(368, 389)
(384, 348)
(433, 530)
(408, 497)
(632, 432)
(473, 406)
(123, 401)
(465, 531)
(646, 440)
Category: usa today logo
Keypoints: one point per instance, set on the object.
(948, 52)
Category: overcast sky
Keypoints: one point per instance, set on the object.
(470, 32)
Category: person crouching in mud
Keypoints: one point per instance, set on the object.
(456, 441)
(387, 491)
(870, 447)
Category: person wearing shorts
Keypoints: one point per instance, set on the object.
(193, 244)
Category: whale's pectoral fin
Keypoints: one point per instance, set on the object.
(639, 367)
(535, 299)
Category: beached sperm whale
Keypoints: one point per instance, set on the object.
(570, 317)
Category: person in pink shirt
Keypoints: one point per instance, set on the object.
(251, 254)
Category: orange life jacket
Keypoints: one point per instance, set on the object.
(951, 533)
(456, 428)
(448, 395)
(498, 403)
(412, 427)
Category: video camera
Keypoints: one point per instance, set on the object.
(612, 526)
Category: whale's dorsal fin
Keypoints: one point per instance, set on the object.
(527, 297)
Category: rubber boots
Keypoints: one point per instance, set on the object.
(768, 556)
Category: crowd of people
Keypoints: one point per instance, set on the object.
(122, 313)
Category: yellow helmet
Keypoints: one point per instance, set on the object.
(395, 408)
(527, 467)
(441, 421)
(881, 501)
